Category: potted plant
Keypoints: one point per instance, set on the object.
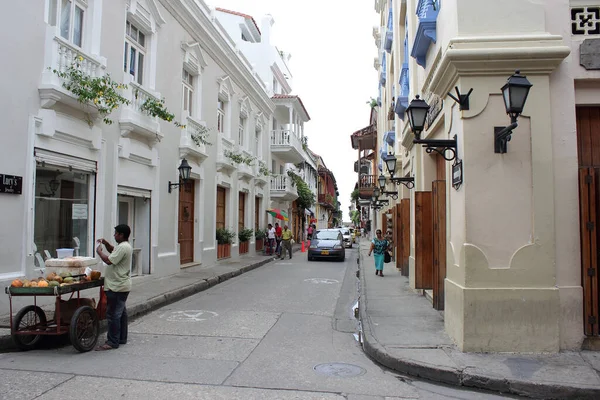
(260, 236)
(244, 235)
(224, 238)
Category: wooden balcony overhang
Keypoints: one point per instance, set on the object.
(364, 139)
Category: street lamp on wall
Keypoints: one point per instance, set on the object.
(382, 182)
(417, 115)
(184, 174)
(514, 92)
(390, 164)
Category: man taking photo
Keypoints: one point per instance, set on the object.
(117, 285)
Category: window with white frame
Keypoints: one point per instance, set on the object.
(257, 144)
(221, 116)
(188, 91)
(135, 52)
(68, 15)
(242, 131)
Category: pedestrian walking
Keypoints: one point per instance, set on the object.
(278, 232)
(309, 232)
(286, 242)
(271, 239)
(379, 246)
(117, 285)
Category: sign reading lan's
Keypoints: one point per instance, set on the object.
(11, 184)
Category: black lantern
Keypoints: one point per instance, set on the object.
(376, 192)
(417, 115)
(390, 163)
(381, 181)
(184, 174)
(515, 92)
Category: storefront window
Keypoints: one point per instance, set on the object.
(63, 212)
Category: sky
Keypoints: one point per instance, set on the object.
(332, 48)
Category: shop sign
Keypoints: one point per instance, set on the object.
(80, 211)
(11, 184)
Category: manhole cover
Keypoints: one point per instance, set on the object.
(340, 370)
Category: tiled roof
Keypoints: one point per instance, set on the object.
(241, 15)
(290, 96)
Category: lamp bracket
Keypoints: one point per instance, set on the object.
(502, 135)
(461, 99)
(446, 145)
(408, 182)
(393, 195)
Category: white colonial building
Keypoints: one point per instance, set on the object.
(287, 133)
(71, 173)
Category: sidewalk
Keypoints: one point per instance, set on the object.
(150, 293)
(402, 331)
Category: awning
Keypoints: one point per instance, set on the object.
(308, 212)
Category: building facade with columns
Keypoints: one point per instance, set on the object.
(504, 243)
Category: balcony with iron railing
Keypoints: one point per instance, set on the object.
(326, 200)
(282, 188)
(366, 184)
(287, 146)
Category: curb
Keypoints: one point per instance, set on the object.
(458, 377)
(161, 300)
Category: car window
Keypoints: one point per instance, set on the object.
(328, 235)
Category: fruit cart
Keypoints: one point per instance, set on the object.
(30, 324)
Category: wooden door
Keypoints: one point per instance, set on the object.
(439, 242)
(186, 222)
(405, 236)
(423, 240)
(588, 201)
(256, 214)
(398, 235)
(588, 146)
(221, 208)
(241, 211)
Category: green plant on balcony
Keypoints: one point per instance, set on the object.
(224, 236)
(238, 158)
(329, 198)
(200, 137)
(263, 169)
(354, 196)
(304, 142)
(101, 91)
(245, 234)
(157, 108)
(372, 103)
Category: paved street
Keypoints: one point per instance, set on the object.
(285, 330)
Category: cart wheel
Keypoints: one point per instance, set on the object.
(84, 329)
(28, 319)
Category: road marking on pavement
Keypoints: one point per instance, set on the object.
(322, 280)
(189, 316)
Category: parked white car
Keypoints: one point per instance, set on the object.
(348, 238)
